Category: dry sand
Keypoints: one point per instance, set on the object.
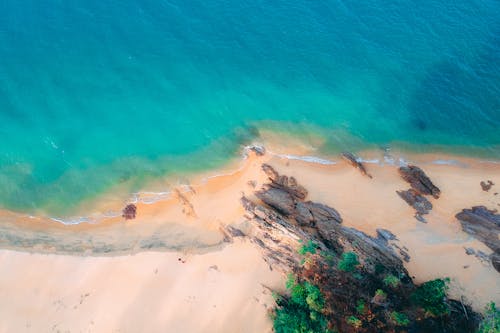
(126, 294)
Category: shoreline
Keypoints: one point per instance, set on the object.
(189, 222)
(303, 153)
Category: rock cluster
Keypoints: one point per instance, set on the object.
(303, 219)
(420, 185)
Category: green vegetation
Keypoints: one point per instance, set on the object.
(491, 321)
(399, 318)
(391, 281)
(309, 247)
(354, 321)
(361, 307)
(380, 293)
(302, 312)
(431, 296)
(348, 262)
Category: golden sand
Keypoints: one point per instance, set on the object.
(153, 291)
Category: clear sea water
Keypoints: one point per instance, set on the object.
(96, 92)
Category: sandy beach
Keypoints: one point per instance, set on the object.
(126, 276)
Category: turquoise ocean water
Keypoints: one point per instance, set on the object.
(93, 93)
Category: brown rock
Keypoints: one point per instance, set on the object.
(129, 212)
(486, 185)
(419, 180)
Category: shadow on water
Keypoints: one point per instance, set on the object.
(461, 98)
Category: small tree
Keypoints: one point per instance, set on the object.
(348, 262)
(431, 296)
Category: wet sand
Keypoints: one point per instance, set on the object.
(188, 221)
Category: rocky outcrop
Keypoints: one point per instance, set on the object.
(421, 205)
(355, 162)
(300, 219)
(419, 181)
(484, 225)
(129, 212)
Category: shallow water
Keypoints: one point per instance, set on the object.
(96, 93)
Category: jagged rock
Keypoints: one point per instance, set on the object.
(279, 199)
(385, 235)
(469, 251)
(486, 185)
(419, 180)
(308, 213)
(284, 183)
(374, 251)
(355, 162)
(270, 172)
(129, 212)
(234, 232)
(483, 224)
(421, 205)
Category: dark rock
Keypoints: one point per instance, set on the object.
(483, 224)
(279, 199)
(320, 212)
(421, 205)
(270, 172)
(469, 251)
(486, 185)
(419, 180)
(234, 232)
(258, 150)
(289, 185)
(495, 260)
(355, 162)
(386, 235)
(303, 215)
(129, 212)
(420, 218)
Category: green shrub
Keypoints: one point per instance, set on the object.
(399, 318)
(348, 262)
(309, 247)
(431, 296)
(354, 321)
(302, 312)
(361, 307)
(491, 321)
(381, 293)
(392, 281)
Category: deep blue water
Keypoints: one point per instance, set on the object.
(93, 93)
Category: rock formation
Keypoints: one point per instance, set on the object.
(355, 162)
(421, 205)
(484, 225)
(129, 212)
(486, 185)
(419, 180)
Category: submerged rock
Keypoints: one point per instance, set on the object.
(419, 180)
(355, 162)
